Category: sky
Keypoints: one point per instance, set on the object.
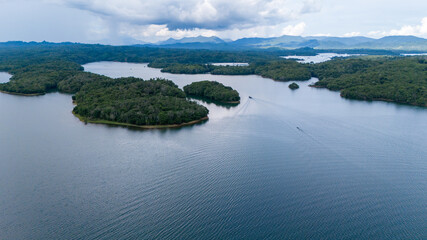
(135, 21)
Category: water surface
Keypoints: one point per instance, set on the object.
(321, 57)
(414, 54)
(4, 77)
(353, 170)
(230, 64)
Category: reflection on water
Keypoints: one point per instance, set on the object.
(302, 164)
(414, 54)
(321, 57)
(230, 64)
(4, 77)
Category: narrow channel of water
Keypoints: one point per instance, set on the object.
(321, 57)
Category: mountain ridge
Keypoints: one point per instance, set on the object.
(293, 42)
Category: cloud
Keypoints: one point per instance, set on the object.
(310, 6)
(154, 33)
(161, 19)
(419, 30)
(352, 34)
(202, 14)
(295, 30)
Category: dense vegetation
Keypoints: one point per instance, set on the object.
(279, 70)
(398, 79)
(38, 68)
(137, 102)
(212, 90)
(232, 70)
(75, 82)
(187, 68)
(37, 78)
(284, 71)
(293, 86)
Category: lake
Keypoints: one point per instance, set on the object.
(4, 77)
(321, 57)
(231, 64)
(284, 165)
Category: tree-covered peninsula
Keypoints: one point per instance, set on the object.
(213, 91)
(134, 102)
(398, 79)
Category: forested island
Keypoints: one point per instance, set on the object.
(39, 68)
(213, 91)
(293, 86)
(135, 102)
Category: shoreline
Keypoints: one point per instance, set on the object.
(208, 100)
(314, 86)
(106, 122)
(371, 100)
(385, 100)
(231, 102)
(22, 94)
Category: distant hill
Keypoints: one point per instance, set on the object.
(409, 43)
(199, 39)
(313, 43)
(396, 43)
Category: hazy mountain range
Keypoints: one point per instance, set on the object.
(292, 42)
(395, 43)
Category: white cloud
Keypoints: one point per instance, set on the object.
(419, 30)
(352, 34)
(154, 33)
(321, 35)
(294, 30)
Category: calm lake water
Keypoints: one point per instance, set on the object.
(353, 170)
(231, 64)
(321, 57)
(4, 77)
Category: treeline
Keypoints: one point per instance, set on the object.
(187, 68)
(286, 70)
(85, 53)
(213, 91)
(137, 102)
(37, 78)
(279, 70)
(75, 82)
(38, 68)
(397, 79)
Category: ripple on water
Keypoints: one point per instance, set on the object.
(353, 169)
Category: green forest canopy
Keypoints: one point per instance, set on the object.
(212, 90)
(38, 68)
(401, 80)
(137, 102)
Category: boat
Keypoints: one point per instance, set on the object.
(250, 97)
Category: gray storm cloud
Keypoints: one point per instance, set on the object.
(190, 14)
